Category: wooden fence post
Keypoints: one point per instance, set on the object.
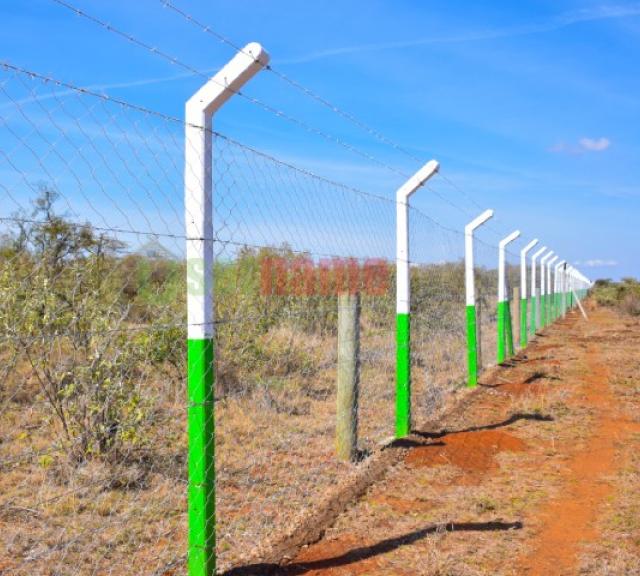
(348, 376)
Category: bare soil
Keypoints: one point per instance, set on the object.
(535, 473)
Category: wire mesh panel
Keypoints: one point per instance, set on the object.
(486, 275)
(438, 322)
(288, 243)
(93, 283)
(92, 436)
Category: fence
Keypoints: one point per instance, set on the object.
(94, 285)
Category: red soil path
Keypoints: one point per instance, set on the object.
(384, 533)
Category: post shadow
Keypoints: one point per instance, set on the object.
(366, 552)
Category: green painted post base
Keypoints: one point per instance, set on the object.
(472, 347)
(201, 491)
(509, 330)
(501, 313)
(403, 375)
(505, 332)
(535, 303)
(523, 322)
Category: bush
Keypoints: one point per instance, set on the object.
(624, 295)
(63, 314)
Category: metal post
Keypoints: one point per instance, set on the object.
(556, 289)
(514, 336)
(198, 192)
(549, 290)
(403, 297)
(535, 298)
(503, 305)
(523, 292)
(543, 291)
(348, 377)
(472, 335)
(563, 288)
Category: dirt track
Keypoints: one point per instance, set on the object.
(538, 476)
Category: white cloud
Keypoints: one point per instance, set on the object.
(595, 144)
(584, 145)
(598, 263)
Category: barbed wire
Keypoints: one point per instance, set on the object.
(293, 83)
(89, 333)
(256, 101)
(325, 103)
(167, 117)
(272, 110)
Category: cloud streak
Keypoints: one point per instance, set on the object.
(63, 93)
(595, 144)
(596, 263)
(594, 14)
(584, 145)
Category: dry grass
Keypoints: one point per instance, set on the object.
(274, 460)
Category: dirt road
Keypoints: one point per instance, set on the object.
(538, 476)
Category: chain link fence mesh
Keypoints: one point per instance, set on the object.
(93, 326)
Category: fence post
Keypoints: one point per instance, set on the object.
(550, 295)
(403, 297)
(503, 303)
(348, 378)
(557, 288)
(535, 296)
(479, 349)
(198, 198)
(516, 336)
(543, 289)
(523, 295)
(470, 294)
(563, 288)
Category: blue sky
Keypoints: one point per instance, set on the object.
(532, 108)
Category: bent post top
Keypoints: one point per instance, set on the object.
(543, 267)
(534, 270)
(470, 296)
(228, 81)
(468, 254)
(523, 267)
(402, 232)
(403, 297)
(501, 263)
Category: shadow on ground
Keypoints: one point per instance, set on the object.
(365, 552)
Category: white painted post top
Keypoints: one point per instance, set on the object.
(417, 180)
(538, 253)
(470, 288)
(502, 288)
(228, 81)
(529, 246)
(543, 260)
(509, 238)
(478, 221)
